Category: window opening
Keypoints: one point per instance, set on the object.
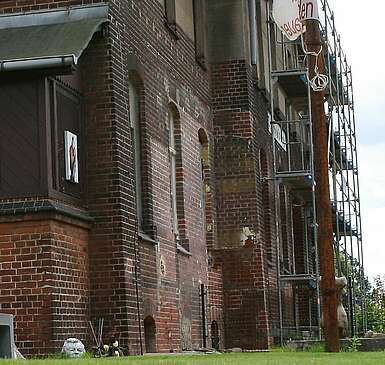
(135, 135)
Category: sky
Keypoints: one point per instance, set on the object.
(360, 25)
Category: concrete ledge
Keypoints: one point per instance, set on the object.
(367, 344)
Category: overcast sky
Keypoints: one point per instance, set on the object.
(360, 25)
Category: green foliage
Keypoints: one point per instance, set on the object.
(355, 344)
(361, 288)
(316, 348)
(376, 306)
(272, 358)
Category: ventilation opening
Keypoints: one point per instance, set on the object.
(215, 335)
(149, 334)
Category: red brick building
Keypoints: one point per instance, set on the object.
(165, 222)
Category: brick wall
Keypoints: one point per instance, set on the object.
(44, 280)
(225, 104)
(246, 318)
(169, 73)
(239, 123)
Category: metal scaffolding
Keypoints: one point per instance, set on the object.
(343, 173)
(291, 129)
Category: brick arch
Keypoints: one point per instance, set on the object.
(203, 138)
(204, 158)
(133, 65)
(150, 334)
(134, 75)
(173, 108)
(215, 340)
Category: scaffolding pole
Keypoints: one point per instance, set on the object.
(344, 173)
(293, 160)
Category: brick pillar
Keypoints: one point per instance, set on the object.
(111, 194)
(238, 209)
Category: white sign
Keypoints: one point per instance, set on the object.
(279, 135)
(290, 14)
(71, 157)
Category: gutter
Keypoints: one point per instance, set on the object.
(37, 63)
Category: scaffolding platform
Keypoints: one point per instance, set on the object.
(342, 162)
(341, 225)
(301, 183)
(340, 154)
(299, 278)
(293, 82)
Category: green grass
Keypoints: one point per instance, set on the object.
(273, 358)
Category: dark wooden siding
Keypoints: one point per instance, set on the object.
(22, 125)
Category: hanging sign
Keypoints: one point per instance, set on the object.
(290, 14)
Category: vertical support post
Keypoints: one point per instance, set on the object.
(351, 314)
(203, 308)
(325, 228)
(276, 183)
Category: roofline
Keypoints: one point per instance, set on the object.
(54, 16)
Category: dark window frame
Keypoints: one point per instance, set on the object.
(170, 17)
(51, 176)
(74, 194)
(199, 15)
(136, 137)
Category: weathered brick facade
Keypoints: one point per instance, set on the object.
(82, 258)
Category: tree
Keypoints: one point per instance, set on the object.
(356, 295)
(376, 306)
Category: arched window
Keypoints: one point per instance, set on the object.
(150, 334)
(173, 181)
(136, 144)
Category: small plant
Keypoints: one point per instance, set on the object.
(319, 347)
(355, 344)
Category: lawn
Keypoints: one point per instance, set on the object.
(273, 358)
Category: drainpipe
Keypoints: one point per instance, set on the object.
(203, 308)
(253, 32)
(136, 280)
